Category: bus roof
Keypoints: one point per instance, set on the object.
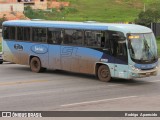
(126, 28)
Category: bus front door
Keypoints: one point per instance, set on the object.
(121, 61)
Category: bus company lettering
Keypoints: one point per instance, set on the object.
(39, 49)
(104, 60)
(18, 47)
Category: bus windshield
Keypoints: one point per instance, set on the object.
(142, 47)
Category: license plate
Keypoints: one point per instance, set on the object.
(148, 74)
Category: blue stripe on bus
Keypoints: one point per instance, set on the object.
(113, 59)
(146, 66)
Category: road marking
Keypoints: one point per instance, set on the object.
(97, 101)
(22, 82)
(26, 94)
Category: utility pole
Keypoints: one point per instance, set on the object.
(144, 8)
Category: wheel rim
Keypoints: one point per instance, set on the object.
(35, 65)
(104, 73)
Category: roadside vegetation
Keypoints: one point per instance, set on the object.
(93, 10)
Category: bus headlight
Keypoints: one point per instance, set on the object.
(134, 68)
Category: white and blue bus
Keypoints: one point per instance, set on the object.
(106, 50)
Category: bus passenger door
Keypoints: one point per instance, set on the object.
(121, 61)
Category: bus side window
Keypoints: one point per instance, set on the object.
(102, 42)
(118, 49)
(27, 34)
(39, 34)
(54, 36)
(9, 32)
(107, 46)
(95, 39)
(12, 32)
(6, 32)
(23, 33)
(73, 37)
(20, 33)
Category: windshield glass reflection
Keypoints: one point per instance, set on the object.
(143, 47)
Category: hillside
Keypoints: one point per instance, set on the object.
(107, 10)
(12, 15)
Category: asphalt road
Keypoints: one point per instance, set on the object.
(23, 90)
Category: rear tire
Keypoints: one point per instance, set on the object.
(1, 62)
(104, 73)
(35, 65)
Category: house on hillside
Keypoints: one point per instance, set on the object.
(18, 5)
(14, 9)
(11, 5)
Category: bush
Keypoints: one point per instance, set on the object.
(148, 17)
(151, 15)
(2, 20)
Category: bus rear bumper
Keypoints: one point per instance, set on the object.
(143, 73)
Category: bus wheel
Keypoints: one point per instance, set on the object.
(104, 73)
(1, 62)
(35, 65)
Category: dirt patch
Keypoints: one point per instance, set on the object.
(13, 15)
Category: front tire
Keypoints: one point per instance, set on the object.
(104, 73)
(35, 65)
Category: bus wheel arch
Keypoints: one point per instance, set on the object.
(103, 72)
(35, 64)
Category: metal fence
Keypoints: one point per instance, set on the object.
(156, 29)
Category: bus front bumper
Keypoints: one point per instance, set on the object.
(143, 73)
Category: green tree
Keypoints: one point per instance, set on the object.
(151, 15)
(2, 20)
